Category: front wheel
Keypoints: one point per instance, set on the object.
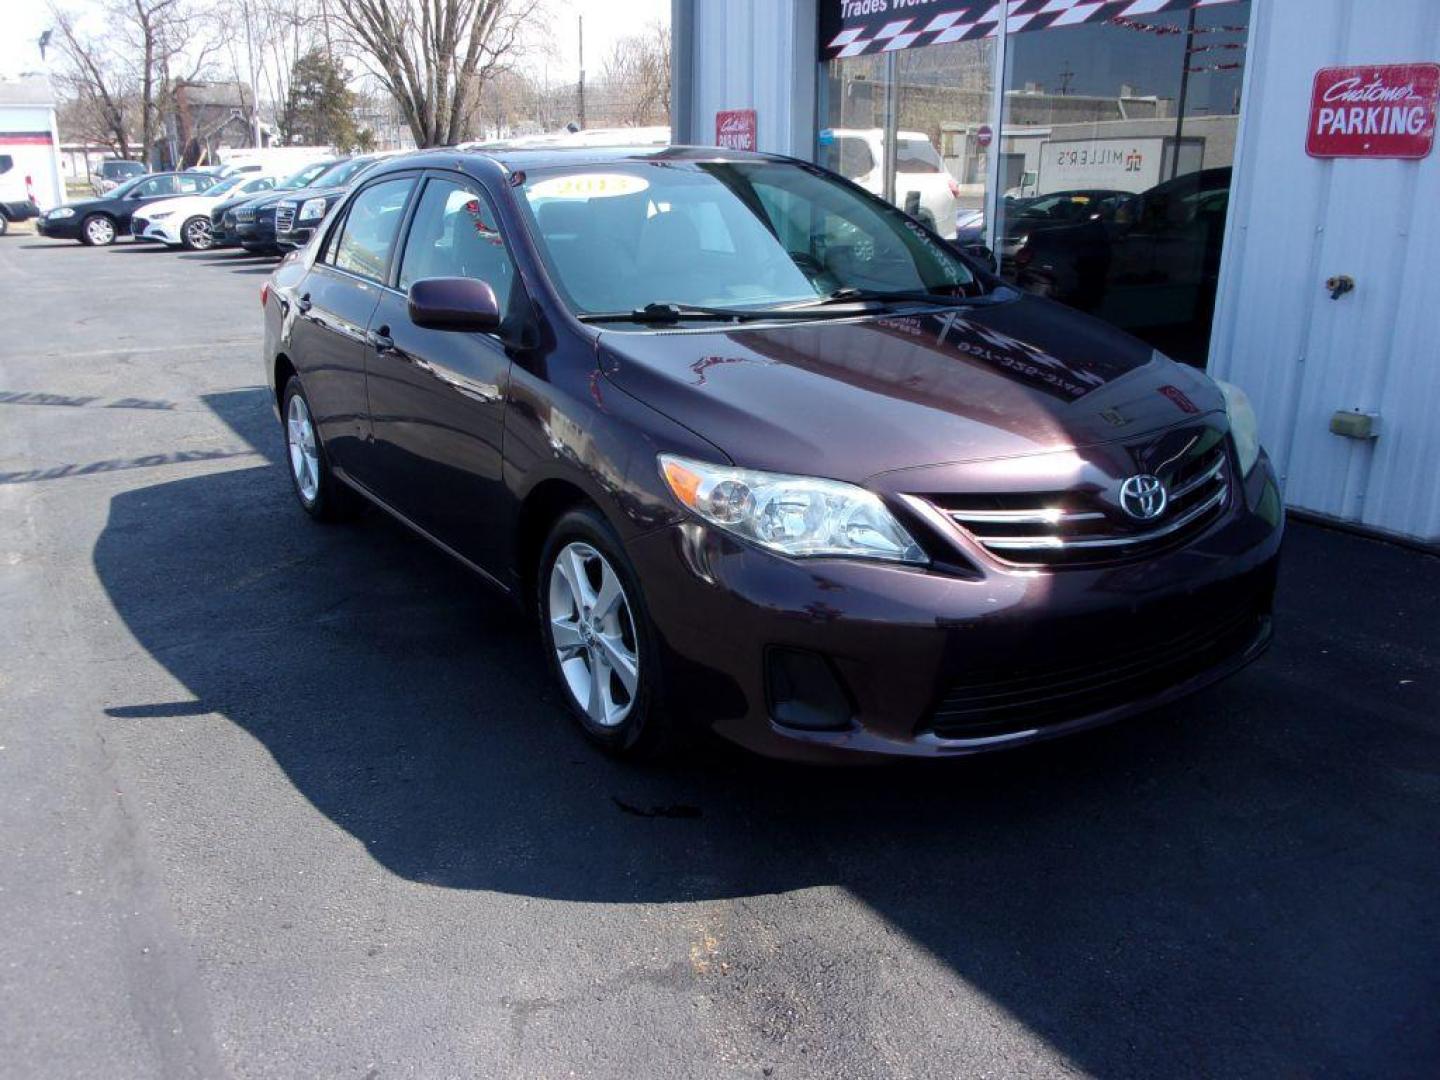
(321, 494)
(195, 234)
(598, 638)
(4, 224)
(97, 230)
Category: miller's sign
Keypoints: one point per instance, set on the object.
(1384, 111)
(735, 129)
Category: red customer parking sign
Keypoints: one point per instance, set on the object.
(735, 129)
(1378, 110)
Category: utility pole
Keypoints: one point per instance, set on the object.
(250, 63)
(1184, 90)
(581, 19)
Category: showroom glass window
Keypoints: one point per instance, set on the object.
(1116, 149)
(1112, 141)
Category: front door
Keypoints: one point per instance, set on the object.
(436, 396)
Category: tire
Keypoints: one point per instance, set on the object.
(98, 230)
(628, 718)
(195, 234)
(321, 494)
(4, 224)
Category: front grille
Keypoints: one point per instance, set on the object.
(284, 218)
(1086, 526)
(245, 213)
(1010, 701)
(138, 225)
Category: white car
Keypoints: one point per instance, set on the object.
(923, 189)
(184, 222)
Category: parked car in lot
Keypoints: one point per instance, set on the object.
(112, 172)
(767, 457)
(185, 221)
(923, 188)
(259, 224)
(100, 221)
(16, 202)
(224, 230)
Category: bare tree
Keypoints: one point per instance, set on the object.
(636, 77)
(98, 84)
(433, 56)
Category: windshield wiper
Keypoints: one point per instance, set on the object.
(670, 313)
(898, 296)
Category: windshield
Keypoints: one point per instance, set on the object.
(122, 190)
(226, 184)
(341, 173)
(305, 175)
(622, 236)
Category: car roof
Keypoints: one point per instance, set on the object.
(519, 158)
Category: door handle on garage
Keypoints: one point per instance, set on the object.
(303, 303)
(380, 340)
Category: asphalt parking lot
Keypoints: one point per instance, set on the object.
(286, 801)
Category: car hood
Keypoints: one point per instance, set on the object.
(852, 398)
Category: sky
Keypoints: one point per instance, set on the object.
(605, 22)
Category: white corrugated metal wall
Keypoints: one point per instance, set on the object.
(1295, 221)
(752, 54)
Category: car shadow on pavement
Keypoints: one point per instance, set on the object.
(1245, 884)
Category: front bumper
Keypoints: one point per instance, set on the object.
(23, 210)
(164, 232)
(59, 228)
(910, 649)
(258, 233)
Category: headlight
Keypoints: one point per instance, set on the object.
(796, 516)
(313, 210)
(62, 211)
(1243, 425)
(160, 217)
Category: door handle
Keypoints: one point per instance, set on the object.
(380, 340)
(303, 303)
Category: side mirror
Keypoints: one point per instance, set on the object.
(454, 303)
(983, 255)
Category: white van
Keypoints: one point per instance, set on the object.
(923, 189)
(17, 201)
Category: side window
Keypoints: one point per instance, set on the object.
(189, 185)
(849, 156)
(455, 234)
(6, 163)
(364, 240)
(159, 185)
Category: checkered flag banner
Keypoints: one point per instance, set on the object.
(853, 27)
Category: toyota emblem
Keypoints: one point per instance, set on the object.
(1143, 497)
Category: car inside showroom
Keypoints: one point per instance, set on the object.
(1240, 184)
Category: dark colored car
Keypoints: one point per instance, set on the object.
(259, 225)
(100, 221)
(766, 456)
(224, 231)
(1150, 260)
(113, 172)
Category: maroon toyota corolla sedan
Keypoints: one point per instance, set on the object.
(767, 457)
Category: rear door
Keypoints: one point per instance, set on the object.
(335, 301)
(437, 397)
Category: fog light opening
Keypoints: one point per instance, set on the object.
(804, 691)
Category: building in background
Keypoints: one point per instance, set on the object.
(29, 141)
(1248, 186)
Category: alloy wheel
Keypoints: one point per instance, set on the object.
(197, 233)
(593, 633)
(101, 231)
(304, 456)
